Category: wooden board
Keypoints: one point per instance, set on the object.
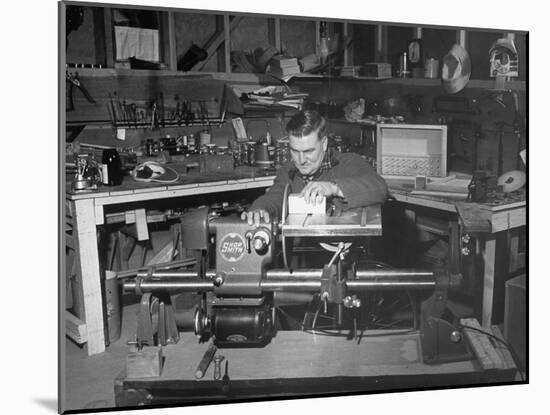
(75, 328)
(485, 352)
(313, 356)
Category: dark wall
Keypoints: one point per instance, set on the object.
(484, 114)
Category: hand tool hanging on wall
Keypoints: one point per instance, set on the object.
(113, 109)
(162, 116)
(73, 81)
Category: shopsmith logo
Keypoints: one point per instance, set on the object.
(232, 247)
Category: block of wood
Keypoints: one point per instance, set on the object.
(144, 363)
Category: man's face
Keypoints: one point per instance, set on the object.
(307, 152)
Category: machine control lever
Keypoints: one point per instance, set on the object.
(340, 250)
(261, 240)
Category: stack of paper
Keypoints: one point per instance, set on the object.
(281, 66)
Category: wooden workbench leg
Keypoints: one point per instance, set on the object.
(488, 252)
(88, 268)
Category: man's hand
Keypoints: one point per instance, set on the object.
(254, 217)
(314, 192)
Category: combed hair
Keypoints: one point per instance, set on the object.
(306, 122)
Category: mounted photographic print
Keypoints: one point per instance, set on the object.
(265, 207)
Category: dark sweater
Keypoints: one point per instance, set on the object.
(359, 182)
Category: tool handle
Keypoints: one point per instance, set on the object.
(205, 361)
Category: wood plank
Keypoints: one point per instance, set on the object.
(99, 216)
(166, 254)
(109, 38)
(227, 42)
(502, 350)
(75, 328)
(141, 225)
(212, 44)
(481, 345)
(312, 356)
(172, 55)
(513, 246)
(151, 189)
(488, 253)
(88, 269)
(278, 33)
(69, 241)
(347, 54)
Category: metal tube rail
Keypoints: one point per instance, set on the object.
(284, 280)
(313, 273)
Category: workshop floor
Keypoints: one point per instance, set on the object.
(90, 379)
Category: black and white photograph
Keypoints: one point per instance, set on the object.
(262, 206)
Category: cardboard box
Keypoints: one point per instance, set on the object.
(376, 70)
(515, 317)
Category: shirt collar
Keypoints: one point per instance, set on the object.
(329, 161)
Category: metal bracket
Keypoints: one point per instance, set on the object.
(156, 317)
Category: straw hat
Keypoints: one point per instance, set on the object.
(456, 70)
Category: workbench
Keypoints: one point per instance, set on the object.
(85, 213)
(502, 217)
(300, 363)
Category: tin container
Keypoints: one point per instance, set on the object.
(431, 68)
(251, 153)
(204, 137)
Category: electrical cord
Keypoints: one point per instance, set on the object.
(515, 357)
(324, 332)
(157, 169)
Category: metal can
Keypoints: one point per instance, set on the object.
(251, 153)
(271, 151)
(243, 153)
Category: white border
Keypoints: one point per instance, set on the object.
(29, 203)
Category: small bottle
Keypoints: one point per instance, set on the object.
(403, 65)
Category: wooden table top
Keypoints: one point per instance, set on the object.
(506, 211)
(191, 183)
(294, 354)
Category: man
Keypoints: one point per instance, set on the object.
(316, 171)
